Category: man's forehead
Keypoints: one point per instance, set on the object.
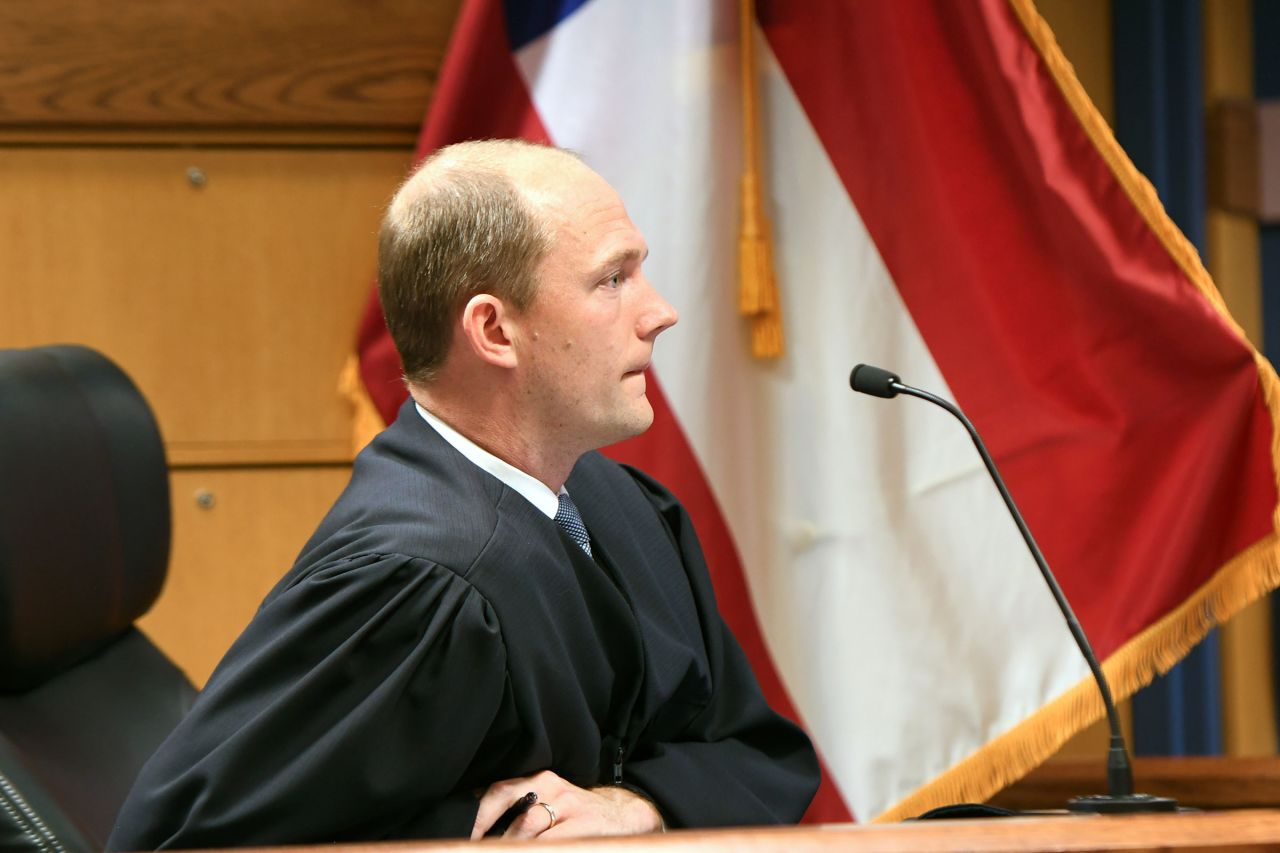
(565, 189)
(541, 173)
(598, 222)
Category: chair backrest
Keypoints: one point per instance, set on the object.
(84, 547)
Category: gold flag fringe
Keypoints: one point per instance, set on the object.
(1011, 755)
(1246, 577)
(365, 420)
(757, 284)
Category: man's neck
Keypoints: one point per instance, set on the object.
(497, 431)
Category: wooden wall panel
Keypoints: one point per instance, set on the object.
(231, 301)
(233, 304)
(1234, 259)
(228, 555)
(366, 64)
(1083, 31)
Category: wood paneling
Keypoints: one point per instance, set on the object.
(194, 189)
(1091, 742)
(1234, 260)
(235, 532)
(1083, 31)
(1202, 782)
(1231, 137)
(1242, 831)
(233, 304)
(368, 64)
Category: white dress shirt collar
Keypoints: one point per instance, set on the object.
(532, 489)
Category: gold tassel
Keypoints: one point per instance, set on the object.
(757, 284)
(365, 420)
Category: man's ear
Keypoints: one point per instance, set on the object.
(486, 328)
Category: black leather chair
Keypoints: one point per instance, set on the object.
(85, 698)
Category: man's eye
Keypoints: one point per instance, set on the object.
(615, 280)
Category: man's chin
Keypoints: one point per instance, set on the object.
(635, 423)
(643, 417)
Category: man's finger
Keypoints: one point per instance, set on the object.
(533, 823)
(499, 797)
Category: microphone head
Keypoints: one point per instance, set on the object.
(876, 381)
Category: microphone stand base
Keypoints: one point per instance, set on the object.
(1126, 804)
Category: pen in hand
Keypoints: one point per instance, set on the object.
(518, 808)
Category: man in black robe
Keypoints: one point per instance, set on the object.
(458, 634)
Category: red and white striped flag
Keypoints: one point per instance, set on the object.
(944, 202)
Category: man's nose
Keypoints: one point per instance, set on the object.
(659, 314)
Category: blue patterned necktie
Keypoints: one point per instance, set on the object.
(570, 522)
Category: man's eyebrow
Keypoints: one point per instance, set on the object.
(623, 256)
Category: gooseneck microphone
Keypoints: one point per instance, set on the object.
(878, 382)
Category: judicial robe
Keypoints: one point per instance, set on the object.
(438, 633)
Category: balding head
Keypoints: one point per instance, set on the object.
(472, 219)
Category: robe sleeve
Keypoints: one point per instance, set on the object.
(334, 716)
(737, 763)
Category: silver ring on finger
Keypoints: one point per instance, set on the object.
(551, 813)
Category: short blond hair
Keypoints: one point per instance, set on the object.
(458, 227)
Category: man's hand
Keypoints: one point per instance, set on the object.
(608, 810)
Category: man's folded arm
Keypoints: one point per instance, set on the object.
(334, 716)
(737, 764)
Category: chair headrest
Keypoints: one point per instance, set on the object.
(84, 509)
